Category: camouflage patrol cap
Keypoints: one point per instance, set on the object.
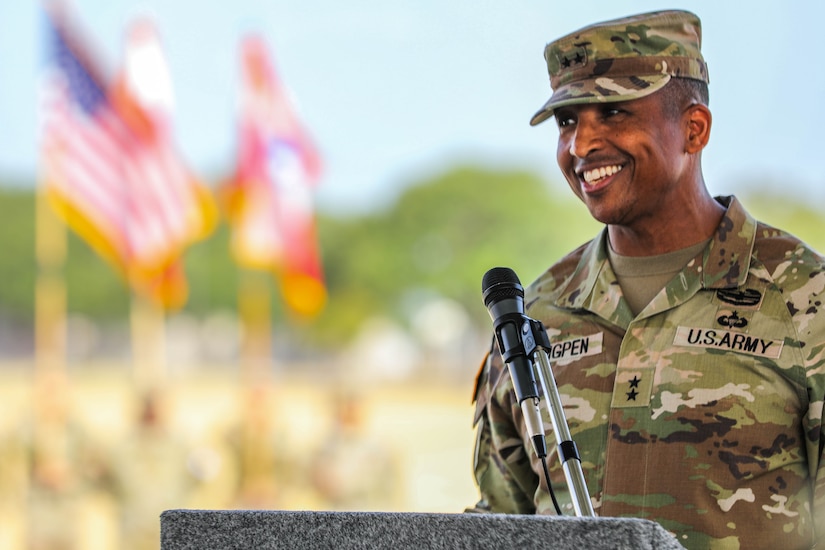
(623, 59)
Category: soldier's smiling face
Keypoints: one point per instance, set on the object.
(624, 160)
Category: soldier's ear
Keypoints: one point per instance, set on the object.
(698, 122)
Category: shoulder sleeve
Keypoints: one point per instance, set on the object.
(501, 466)
(800, 273)
(819, 483)
(808, 304)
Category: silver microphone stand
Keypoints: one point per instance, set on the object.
(568, 452)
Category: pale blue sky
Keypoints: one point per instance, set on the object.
(393, 90)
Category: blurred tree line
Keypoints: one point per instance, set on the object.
(436, 240)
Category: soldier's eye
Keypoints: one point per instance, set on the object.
(564, 120)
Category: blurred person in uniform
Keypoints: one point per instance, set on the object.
(687, 339)
(63, 465)
(150, 471)
(14, 485)
(263, 464)
(54, 485)
(350, 470)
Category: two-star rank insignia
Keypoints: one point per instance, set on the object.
(575, 58)
(633, 393)
(633, 387)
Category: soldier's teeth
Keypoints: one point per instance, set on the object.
(596, 174)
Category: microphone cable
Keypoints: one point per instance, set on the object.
(549, 485)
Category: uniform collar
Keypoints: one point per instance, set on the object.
(723, 263)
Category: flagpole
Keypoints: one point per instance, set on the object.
(50, 385)
(148, 337)
(254, 296)
(50, 293)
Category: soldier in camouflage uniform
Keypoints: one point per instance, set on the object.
(687, 341)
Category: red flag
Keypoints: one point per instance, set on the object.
(270, 197)
(112, 173)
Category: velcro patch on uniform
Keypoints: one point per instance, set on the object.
(575, 348)
(632, 388)
(748, 298)
(726, 340)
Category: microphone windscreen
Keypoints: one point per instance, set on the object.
(500, 283)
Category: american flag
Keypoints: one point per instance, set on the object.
(112, 173)
(270, 196)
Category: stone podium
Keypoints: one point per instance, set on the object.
(271, 530)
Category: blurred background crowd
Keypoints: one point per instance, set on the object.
(95, 467)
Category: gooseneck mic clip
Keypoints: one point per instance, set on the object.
(521, 339)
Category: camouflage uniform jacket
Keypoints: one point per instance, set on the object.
(703, 413)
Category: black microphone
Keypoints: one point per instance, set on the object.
(504, 298)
